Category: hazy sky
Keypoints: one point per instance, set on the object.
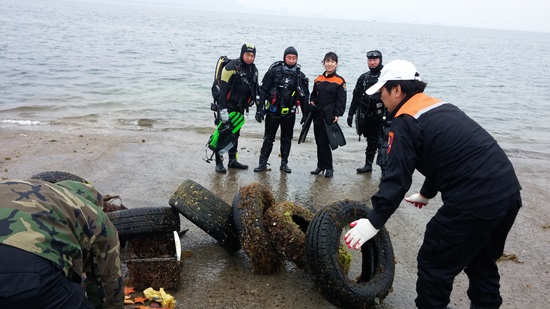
(531, 15)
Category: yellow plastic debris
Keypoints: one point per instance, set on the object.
(165, 299)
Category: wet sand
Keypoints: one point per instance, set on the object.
(145, 168)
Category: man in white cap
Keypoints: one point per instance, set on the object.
(478, 185)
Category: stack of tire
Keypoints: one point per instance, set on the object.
(270, 233)
(148, 234)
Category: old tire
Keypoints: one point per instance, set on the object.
(323, 239)
(210, 213)
(57, 176)
(286, 224)
(249, 205)
(144, 221)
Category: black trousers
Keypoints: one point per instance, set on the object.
(472, 241)
(30, 281)
(272, 123)
(324, 152)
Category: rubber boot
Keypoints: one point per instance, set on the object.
(263, 164)
(219, 164)
(233, 163)
(369, 158)
(365, 169)
(285, 152)
(284, 167)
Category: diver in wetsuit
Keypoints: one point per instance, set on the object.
(238, 90)
(284, 88)
(369, 109)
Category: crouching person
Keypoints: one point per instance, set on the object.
(50, 235)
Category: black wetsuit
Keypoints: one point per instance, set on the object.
(369, 111)
(284, 89)
(238, 89)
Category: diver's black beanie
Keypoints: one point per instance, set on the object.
(247, 47)
(290, 51)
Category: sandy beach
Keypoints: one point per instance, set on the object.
(145, 168)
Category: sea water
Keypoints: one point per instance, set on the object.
(111, 66)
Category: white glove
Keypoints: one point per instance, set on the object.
(362, 230)
(418, 200)
(224, 115)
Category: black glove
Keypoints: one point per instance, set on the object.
(350, 121)
(259, 116)
(303, 120)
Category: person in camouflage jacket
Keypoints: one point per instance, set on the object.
(50, 235)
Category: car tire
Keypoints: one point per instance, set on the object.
(57, 176)
(286, 224)
(210, 213)
(323, 240)
(249, 205)
(144, 221)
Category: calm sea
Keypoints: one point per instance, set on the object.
(103, 65)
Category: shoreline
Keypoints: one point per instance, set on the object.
(145, 168)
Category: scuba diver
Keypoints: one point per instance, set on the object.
(284, 88)
(238, 91)
(371, 113)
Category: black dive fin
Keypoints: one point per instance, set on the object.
(305, 127)
(335, 135)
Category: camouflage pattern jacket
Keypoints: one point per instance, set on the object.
(62, 223)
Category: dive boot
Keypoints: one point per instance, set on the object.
(219, 164)
(260, 168)
(220, 168)
(365, 169)
(285, 168)
(237, 165)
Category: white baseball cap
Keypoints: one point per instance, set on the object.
(394, 70)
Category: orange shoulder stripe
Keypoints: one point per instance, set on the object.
(419, 104)
(333, 79)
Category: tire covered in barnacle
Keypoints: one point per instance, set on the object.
(286, 224)
(210, 213)
(249, 205)
(57, 176)
(376, 267)
(144, 221)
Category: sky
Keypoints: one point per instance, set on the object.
(526, 15)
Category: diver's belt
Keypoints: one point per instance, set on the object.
(282, 110)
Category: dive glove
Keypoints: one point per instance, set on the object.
(417, 199)
(223, 115)
(350, 121)
(362, 230)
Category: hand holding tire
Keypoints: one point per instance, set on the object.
(362, 230)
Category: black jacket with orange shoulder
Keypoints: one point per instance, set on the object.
(329, 95)
(455, 154)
